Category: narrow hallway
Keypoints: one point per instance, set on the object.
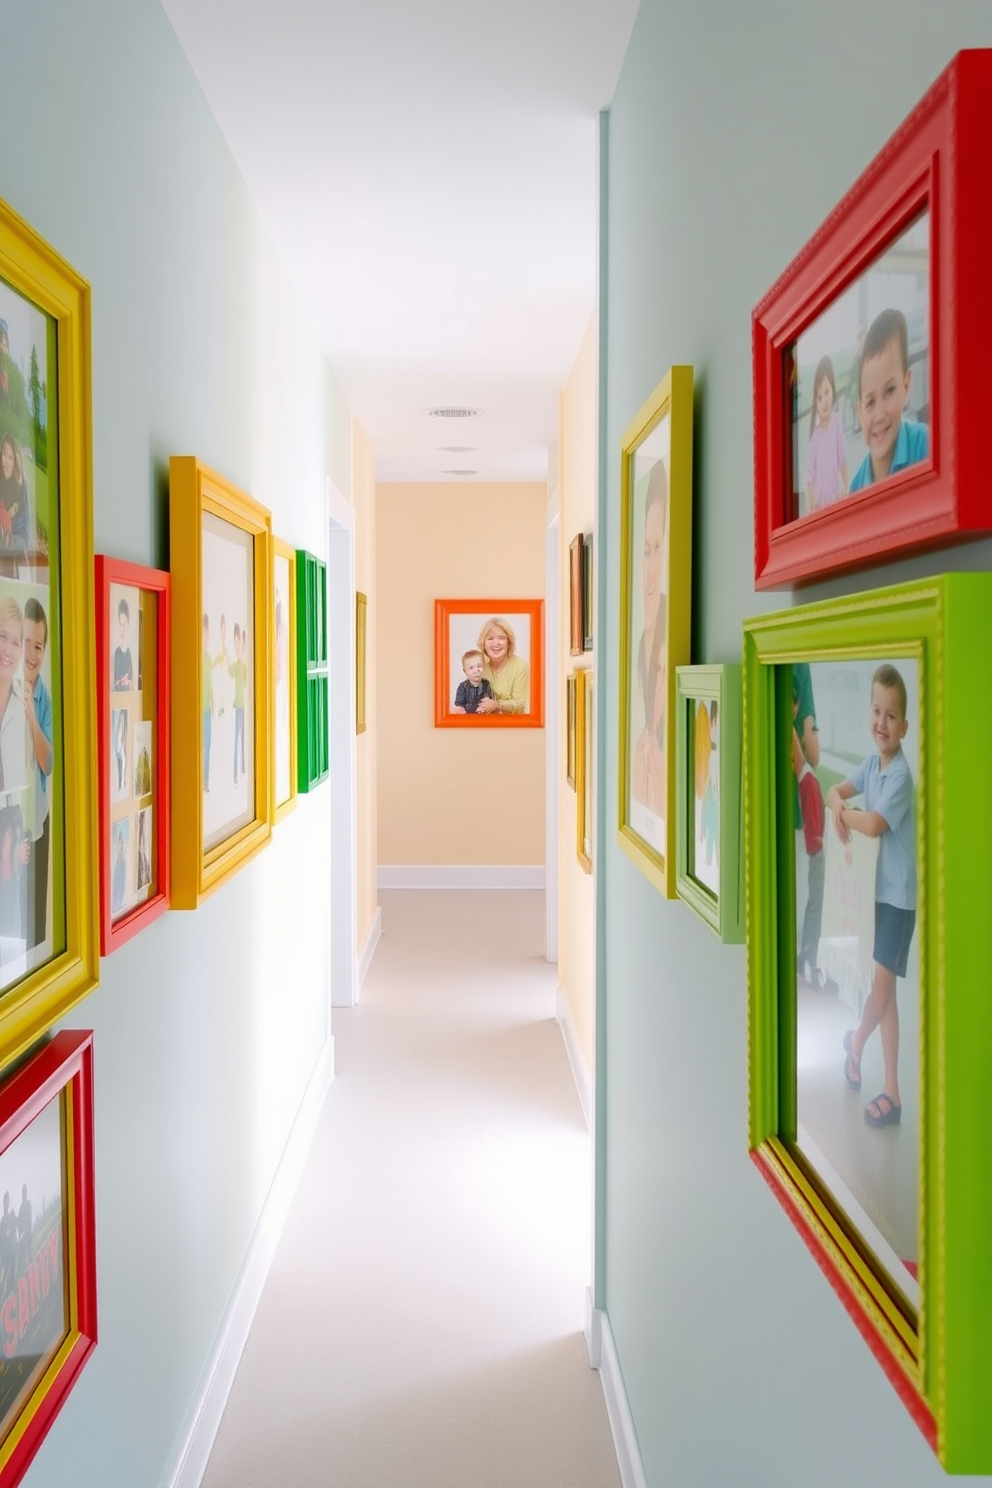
(421, 1323)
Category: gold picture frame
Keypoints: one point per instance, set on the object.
(221, 573)
(655, 617)
(45, 353)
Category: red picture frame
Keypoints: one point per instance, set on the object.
(457, 624)
(935, 164)
(59, 1261)
(116, 573)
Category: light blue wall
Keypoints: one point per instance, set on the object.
(734, 130)
(208, 1025)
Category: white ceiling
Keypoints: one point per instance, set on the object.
(427, 172)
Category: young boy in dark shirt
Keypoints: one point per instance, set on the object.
(470, 693)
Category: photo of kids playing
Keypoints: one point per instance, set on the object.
(33, 1301)
(227, 691)
(861, 394)
(866, 763)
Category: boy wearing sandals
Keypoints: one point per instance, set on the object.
(887, 786)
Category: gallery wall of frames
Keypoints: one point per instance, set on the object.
(153, 728)
(819, 798)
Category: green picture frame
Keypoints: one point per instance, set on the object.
(934, 1351)
(313, 761)
(708, 756)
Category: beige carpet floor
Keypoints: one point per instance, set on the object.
(421, 1323)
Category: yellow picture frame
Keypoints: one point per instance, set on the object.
(197, 493)
(283, 550)
(655, 620)
(34, 272)
(583, 767)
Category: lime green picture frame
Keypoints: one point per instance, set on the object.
(653, 814)
(935, 1356)
(723, 909)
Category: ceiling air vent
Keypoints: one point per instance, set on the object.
(459, 472)
(456, 449)
(453, 412)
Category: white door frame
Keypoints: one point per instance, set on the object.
(552, 694)
(341, 684)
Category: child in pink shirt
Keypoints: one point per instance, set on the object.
(826, 459)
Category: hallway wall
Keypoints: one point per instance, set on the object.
(447, 797)
(733, 132)
(208, 1025)
(576, 899)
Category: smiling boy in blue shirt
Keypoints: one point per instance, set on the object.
(883, 389)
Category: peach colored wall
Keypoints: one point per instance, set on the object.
(363, 498)
(577, 507)
(447, 795)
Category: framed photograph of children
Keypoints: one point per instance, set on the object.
(655, 599)
(708, 745)
(867, 383)
(571, 687)
(284, 673)
(584, 776)
(488, 663)
(49, 954)
(869, 1044)
(133, 679)
(587, 588)
(48, 1319)
(361, 643)
(575, 616)
(222, 662)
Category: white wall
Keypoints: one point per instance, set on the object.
(734, 130)
(208, 1025)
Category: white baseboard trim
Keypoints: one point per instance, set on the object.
(368, 949)
(576, 1058)
(204, 1416)
(461, 876)
(603, 1356)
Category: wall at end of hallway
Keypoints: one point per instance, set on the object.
(448, 795)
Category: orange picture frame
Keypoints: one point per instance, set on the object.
(460, 627)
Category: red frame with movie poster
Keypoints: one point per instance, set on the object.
(937, 161)
(65, 1063)
(156, 581)
(444, 717)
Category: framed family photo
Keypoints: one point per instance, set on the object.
(867, 384)
(284, 674)
(655, 601)
(488, 663)
(587, 591)
(49, 955)
(221, 679)
(48, 1321)
(133, 656)
(867, 935)
(710, 866)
